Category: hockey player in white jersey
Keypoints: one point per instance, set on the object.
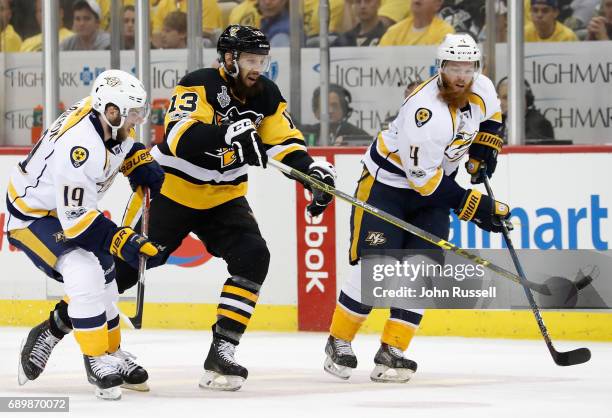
(52, 200)
(409, 171)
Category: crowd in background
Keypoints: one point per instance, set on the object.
(85, 23)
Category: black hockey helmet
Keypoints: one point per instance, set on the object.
(239, 38)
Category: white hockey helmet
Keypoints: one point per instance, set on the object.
(124, 91)
(458, 47)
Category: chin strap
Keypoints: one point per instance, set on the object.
(114, 129)
(236, 71)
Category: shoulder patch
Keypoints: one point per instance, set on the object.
(78, 156)
(422, 116)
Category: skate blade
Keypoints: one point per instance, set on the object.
(22, 379)
(138, 387)
(342, 372)
(110, 394)
(216, 381)
(385, 374)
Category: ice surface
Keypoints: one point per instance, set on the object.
(457, 377)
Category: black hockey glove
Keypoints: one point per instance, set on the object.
(485, 212)
(483, 150)
(142, 170)
(325, 172)
(246, 142)
(126, 244)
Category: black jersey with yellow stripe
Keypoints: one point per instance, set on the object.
(201, 169)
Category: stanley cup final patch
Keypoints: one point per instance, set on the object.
(422, 116)
(78, 156)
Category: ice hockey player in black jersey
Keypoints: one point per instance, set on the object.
(221, 121)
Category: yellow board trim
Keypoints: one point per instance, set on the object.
(200, 196)
(363, 193)
(576, 326)
(27, 238)
(85, 222)
(240, 292)
(233, 315)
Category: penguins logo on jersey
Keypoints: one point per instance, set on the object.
(78, 156)
(422, 116)
(234, 115)
(227, 156)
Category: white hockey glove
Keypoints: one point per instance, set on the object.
(246, 142)
(325, 172)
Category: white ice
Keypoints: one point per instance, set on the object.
(457, 377)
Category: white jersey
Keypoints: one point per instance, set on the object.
(429, 138)
(66, 173)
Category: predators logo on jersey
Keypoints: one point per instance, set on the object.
(460, 145)
(78, 156)
(422, 116)
(376, 238)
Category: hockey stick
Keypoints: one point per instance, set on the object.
(427, 236)
(567, 358)
(136, 320)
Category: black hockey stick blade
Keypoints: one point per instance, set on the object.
(573, 357)
(136, 320)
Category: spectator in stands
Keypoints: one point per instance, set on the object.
(86, 27)
(369, 28)
(311, 20)
(600, 27)
(128, 38)
(10, 41)
(467, 16)
(174, 31)
(275, 21)
(544, 26)
(392, 11)
(536, 124)
(245, 13)
(105, 7)
(582, 11)
(423, 27)
(340, 111)
(211, 18)
(34, 43)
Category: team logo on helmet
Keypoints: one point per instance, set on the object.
(223, 98)
(78, 156)
(234, 31)
(112, 81)
(422, 116)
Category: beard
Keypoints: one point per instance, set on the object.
(452, 97)
(242, 90)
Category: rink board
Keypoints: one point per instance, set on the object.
(300, 290)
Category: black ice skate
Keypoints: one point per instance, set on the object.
(35, 352)
(340, 360)
(221, 370)
(104, 373)
(134, 376)
(392, 366)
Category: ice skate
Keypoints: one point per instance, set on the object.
(392, 366)
(221, 370)
(340, 360)
(134, 376)
(104, 373)
(35, 351)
